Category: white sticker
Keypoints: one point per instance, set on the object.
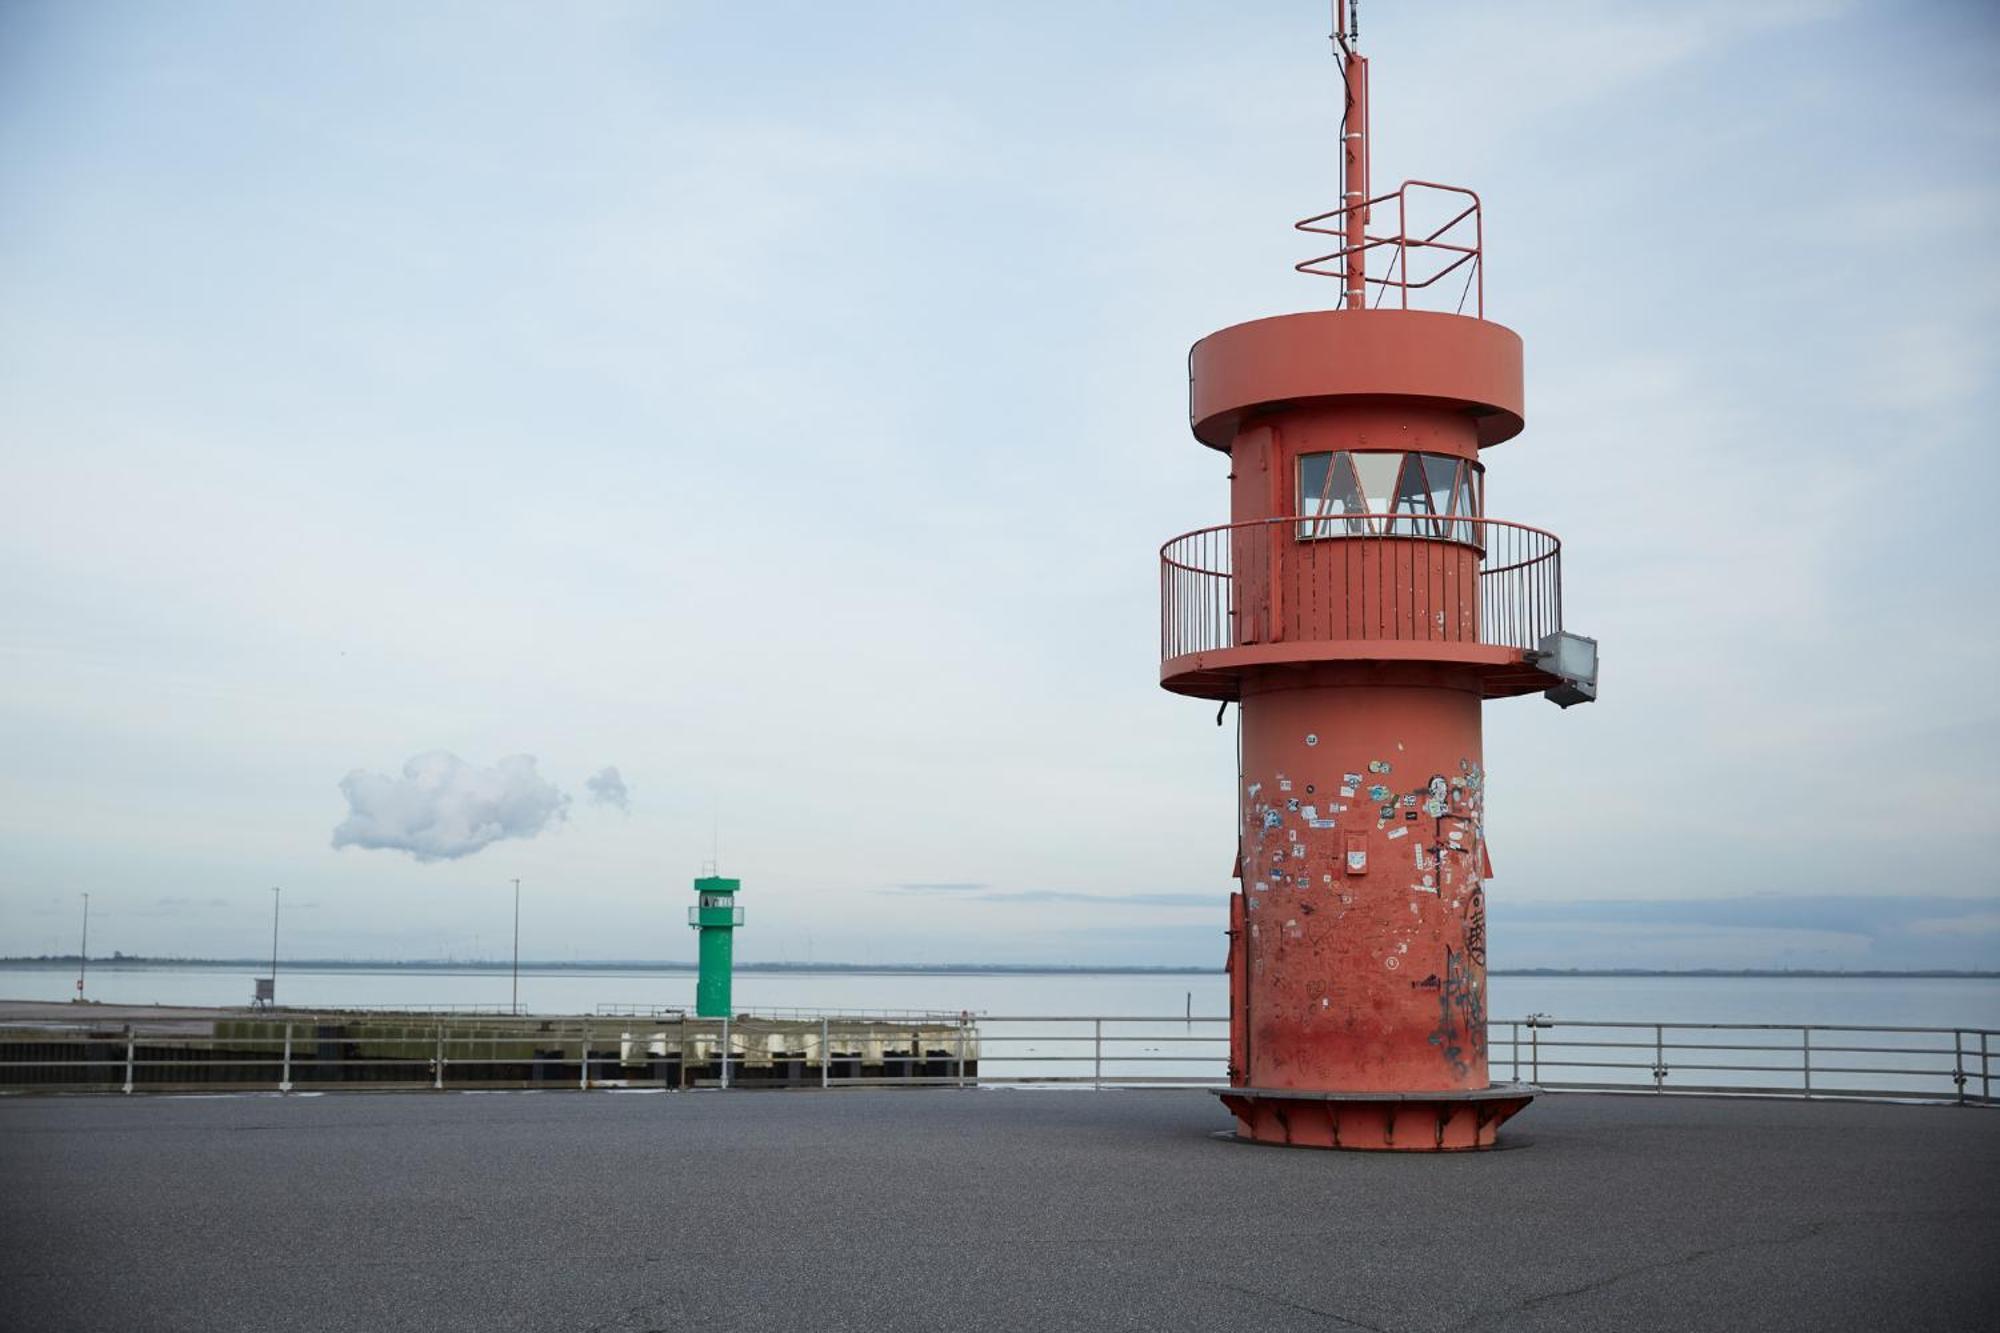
(1400, 831)
(1310, 813)
(1311, 738)
(1348, 792)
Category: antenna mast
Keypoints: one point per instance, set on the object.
(1353, 150)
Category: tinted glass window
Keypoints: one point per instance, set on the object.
(1349, 494)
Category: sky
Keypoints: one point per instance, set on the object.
(450, 443)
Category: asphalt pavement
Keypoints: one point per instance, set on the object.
(960, 1209)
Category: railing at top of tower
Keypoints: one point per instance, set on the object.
(1453, 245)
(1414, 578)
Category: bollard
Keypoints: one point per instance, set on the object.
(825, 1057)
(725, 1051)
(437, 1064)
(583, 1079)
(128, 1059)
(285, 1076)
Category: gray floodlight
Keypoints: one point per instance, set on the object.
(1571, 658)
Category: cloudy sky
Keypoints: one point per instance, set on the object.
(449, 443)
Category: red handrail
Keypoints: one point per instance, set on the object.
(1333, 264)
(1415, 577)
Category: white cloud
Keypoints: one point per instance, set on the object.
(443, 808)
(607, 787)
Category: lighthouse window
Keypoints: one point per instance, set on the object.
(1351, 494)
(1378, 473)
(1327, 487)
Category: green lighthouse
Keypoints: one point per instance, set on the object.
(716, 915)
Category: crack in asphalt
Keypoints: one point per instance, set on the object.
(1807, 1232)
(1295, 1305)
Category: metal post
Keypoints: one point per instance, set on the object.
(517, 947)
(1805, 1058)
(1659, 1058)
(1516, 1039)
(725, 1050)
(825, 1053)
(1097, 1056)
(437, 1065)
(1985, 1071)
(128, 1059)
(1535, 1054)
(277, 896)
(961, 1052)
(1958, 1062)
(583, 1079)
(285, 1078)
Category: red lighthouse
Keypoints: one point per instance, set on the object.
(1360, 607)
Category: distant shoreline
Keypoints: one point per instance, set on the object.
(260, 965)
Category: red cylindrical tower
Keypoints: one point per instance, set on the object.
(1359, 608)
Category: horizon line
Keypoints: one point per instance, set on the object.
(1170, 969)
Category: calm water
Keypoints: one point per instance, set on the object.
(1900, 1002)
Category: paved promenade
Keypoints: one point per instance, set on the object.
(979, 1210)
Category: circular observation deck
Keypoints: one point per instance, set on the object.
(1476, 595)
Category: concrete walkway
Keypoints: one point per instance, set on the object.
(980, 1210)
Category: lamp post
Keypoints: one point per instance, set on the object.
(83, 953)
(277, 895)
(517, 947)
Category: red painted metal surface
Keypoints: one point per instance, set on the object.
(1360, 608)
(1438, 367)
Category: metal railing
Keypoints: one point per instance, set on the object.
(1452, 245)
(294, 1052)
(1375, 577)
(788, 1013)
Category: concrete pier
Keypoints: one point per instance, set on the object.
(148, 1048)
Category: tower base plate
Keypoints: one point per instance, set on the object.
(1467, 1121)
